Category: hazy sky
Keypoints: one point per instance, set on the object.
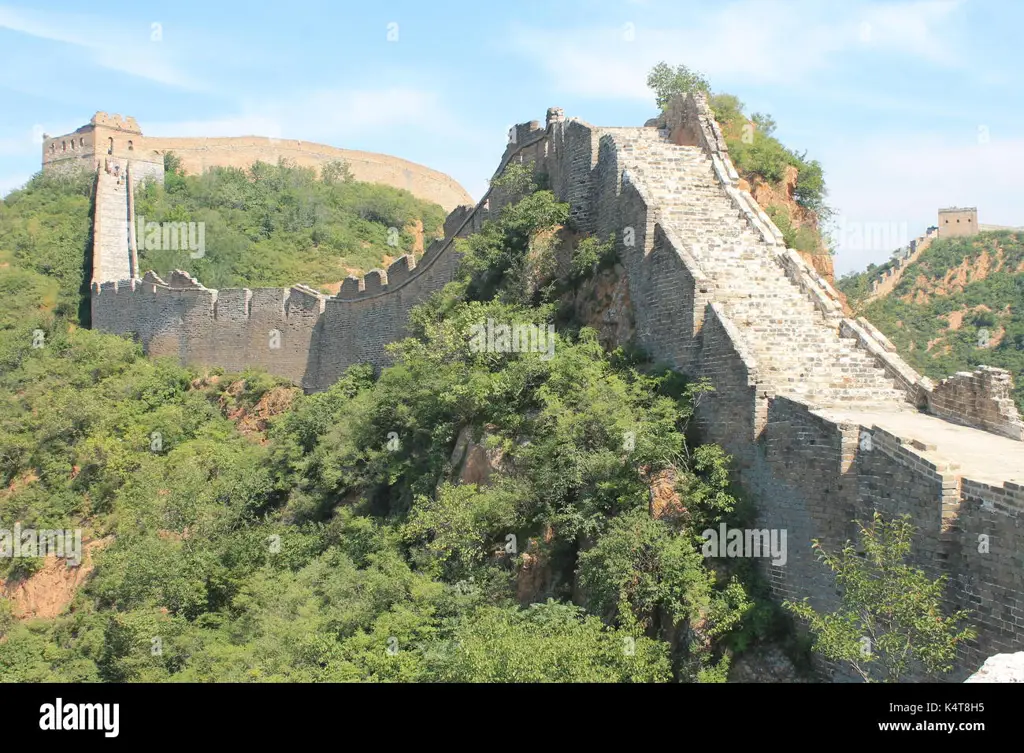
(908, 106)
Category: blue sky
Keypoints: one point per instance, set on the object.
(908, 105)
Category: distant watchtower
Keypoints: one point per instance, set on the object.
(106, 138)
(956, 222)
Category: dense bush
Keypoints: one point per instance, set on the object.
(325, 551)
(278, 225)
(912, 315)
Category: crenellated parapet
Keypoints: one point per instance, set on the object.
(127, 124)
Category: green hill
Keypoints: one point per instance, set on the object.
(237, 530)
(266, 227)
(273, 226)
(959, 306)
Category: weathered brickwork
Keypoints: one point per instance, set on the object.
(986, 394)
(822, 418)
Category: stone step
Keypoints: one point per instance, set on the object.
(797, 351)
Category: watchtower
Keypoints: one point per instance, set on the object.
(956, 222)
(106, 138)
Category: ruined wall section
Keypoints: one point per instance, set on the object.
(985, 395)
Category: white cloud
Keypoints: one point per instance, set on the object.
(902, 182)
(751, 40)
(117, 47)
(912, 28)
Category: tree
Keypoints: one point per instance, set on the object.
(765, 123)
(890, 614)
(668, 82)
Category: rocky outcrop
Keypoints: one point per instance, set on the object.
(474, 462)
(665, 502)
(602, 302)
(764, 664)
(1001, 668)
(534, 574)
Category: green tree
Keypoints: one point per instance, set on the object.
(667, 82)
(765, 123)
(547, 642)
(891, 620)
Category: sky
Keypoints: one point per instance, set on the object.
(908, 106)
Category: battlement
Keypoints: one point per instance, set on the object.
(127, 124)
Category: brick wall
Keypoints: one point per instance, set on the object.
(982, 398)
(200, 154)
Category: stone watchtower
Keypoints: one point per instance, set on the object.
(106, 138)
(957, 222)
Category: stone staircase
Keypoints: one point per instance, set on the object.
(111, 252)
(799, 354)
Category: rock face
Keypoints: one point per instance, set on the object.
(665, 503)
(474, 462)
(782, 195)
(767, 664)
(1001, 668)
(602, 302)
(47, 592)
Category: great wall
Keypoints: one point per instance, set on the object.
(825, 422)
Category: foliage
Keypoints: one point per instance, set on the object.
(890, 621)
(803, 238)
(275, 225)
(667, 82)
(916, 315)
(320, 550)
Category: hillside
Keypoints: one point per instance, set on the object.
(789, 187)
(270, 225)
(960, 305)
(277, 225)
(237, 530)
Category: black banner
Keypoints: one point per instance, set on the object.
(127, 715)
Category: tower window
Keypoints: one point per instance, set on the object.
(81, 141)
(63, 146)
(110, 145)
(130, 146)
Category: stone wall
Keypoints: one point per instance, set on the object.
(200, 154)
(296, 333)
(809, 469)
(886, 283)
(985, 395)
(112, 137)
